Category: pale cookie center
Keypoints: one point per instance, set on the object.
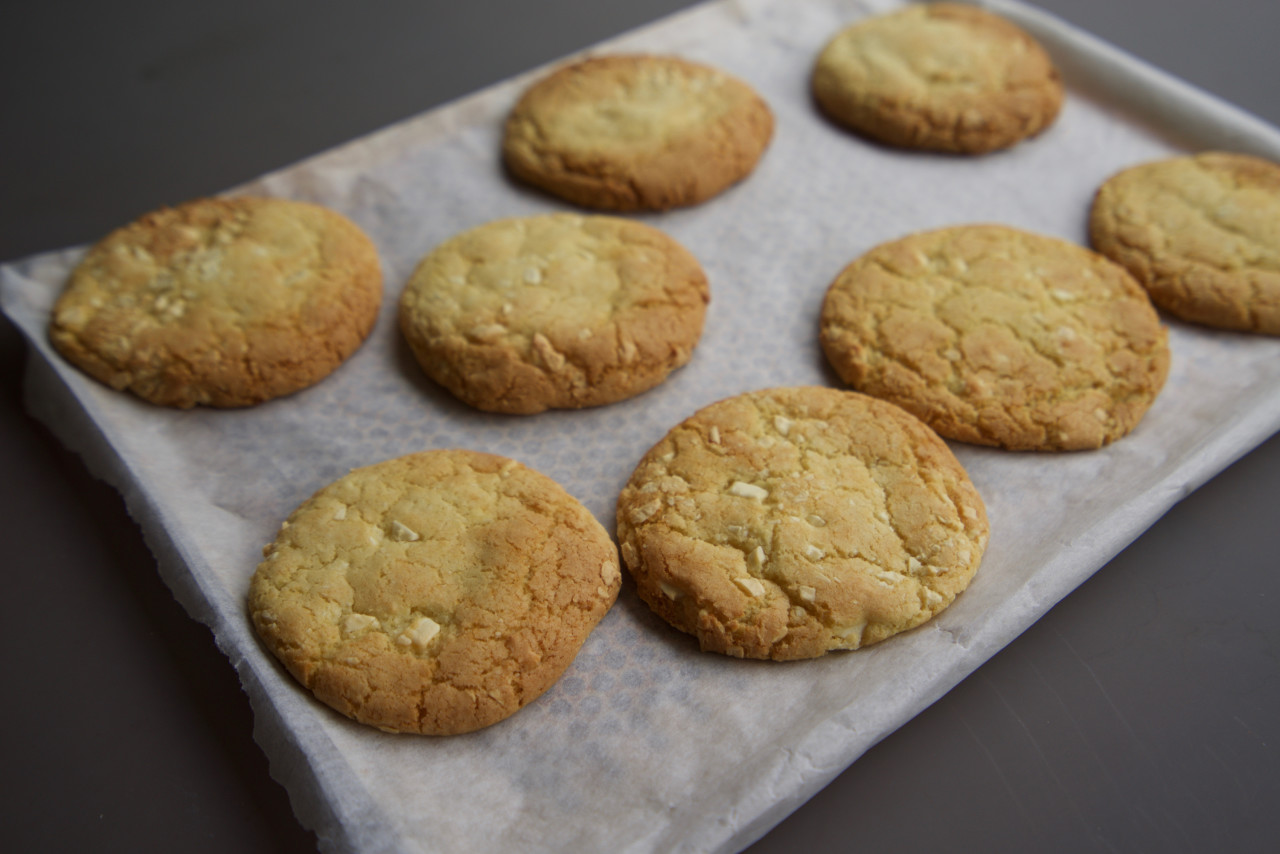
(927, 58)
(525, 281)
(658, 106)
(221, 269)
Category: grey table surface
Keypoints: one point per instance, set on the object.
(1142, 713)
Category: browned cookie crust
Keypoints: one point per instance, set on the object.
(221, 302)
(1201, 233)
(998, 337)
(941, 77)
(790, 522)
(554, 311)
(636, 132)
(436, 593)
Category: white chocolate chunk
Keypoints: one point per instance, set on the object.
(488, 332)
(402, 533)
(851, 634)
(355, 623)
(609, 572)
(420, 634)
(645, 512)
(748, 490)
(551, 357)
(750, 586)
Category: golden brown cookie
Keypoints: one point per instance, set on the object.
(221, 302)
(636, 132)
(790, 522)
(1201, 233)
(435, 593)
(998, 337)
(554, 311)
(941, 77)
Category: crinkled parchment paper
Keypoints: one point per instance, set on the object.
(647, 744)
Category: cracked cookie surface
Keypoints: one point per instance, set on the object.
(999, 337)
(786, 523)
(1202, 235)
(554, 311)
(940, 77)
(636, 132)
(220, 302)
(436, 593)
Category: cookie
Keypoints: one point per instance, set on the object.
(554, 311)
(436, 593)
(220, 302)
(1201, 233)
(636, 132)
(786, 523)
(999, 337)
(939, 77)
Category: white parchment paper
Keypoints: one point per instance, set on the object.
(647, 744)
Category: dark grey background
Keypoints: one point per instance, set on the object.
(1141, 714)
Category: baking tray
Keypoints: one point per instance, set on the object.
(646, 744)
